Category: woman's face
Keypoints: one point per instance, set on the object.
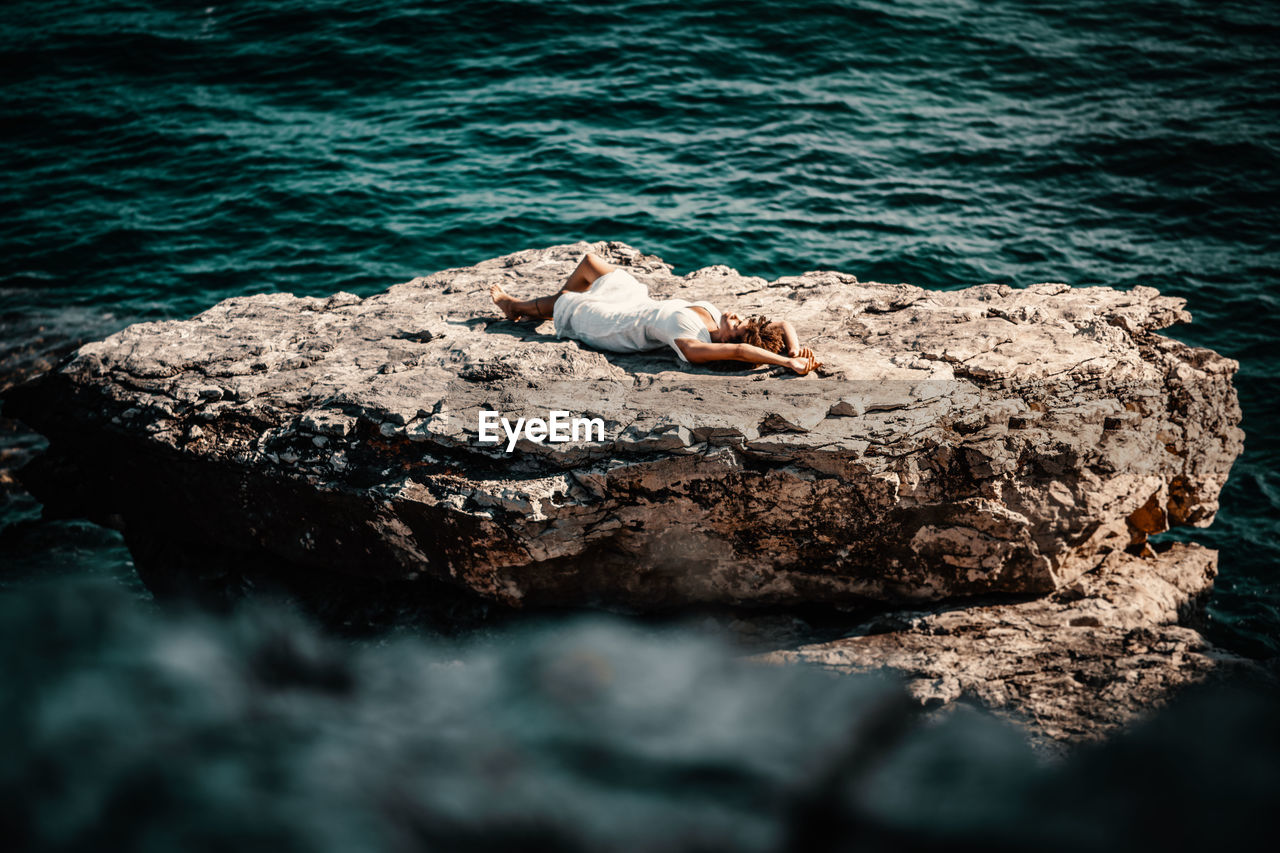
(731, 327)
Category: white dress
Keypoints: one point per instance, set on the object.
(616, 313)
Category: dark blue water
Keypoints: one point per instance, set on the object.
(158, 157)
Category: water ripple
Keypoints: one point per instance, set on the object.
(159, 157)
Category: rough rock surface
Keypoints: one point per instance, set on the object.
(988, 442)
(955, 443)
(1096, 655)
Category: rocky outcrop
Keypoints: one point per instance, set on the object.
(987, 440)
(1080, 663)
(990, 442)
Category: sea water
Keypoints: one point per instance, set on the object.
(161, 156)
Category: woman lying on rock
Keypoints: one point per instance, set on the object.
(604, 306)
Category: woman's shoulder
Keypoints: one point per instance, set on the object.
(687, 322)
(711, 310)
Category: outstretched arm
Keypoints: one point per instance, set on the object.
(698, 352)
(789, 334)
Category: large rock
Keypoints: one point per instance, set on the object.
(986, 440)
(1016, 447)
(1078, 664)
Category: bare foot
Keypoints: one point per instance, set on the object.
(505, 301)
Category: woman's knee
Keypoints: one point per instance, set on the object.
(598, 265)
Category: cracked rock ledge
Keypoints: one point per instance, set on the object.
(993, 459)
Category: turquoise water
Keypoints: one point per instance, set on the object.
(161, 156)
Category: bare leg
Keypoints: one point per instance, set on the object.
(590, 268)
(515, 309)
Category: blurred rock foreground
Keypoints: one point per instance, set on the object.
(983, 467)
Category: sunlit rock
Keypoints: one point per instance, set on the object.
(987, 440)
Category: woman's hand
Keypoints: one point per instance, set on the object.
(794, 350)
(804, 361)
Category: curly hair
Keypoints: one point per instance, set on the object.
(760, 333)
